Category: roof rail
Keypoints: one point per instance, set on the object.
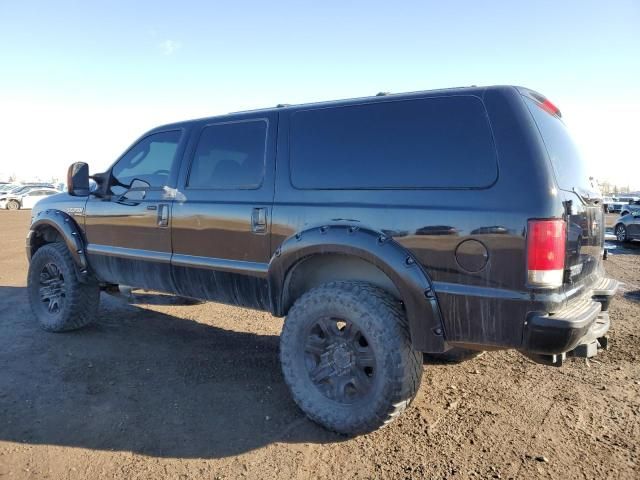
(256, 110)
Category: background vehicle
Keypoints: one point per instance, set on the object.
(627, 227)
(606, 204)
(6, 187)
(14, 193)
(24, 187)
(378, 226)
(632, 206)
(613, 204)
(26, 200)
(38, 184)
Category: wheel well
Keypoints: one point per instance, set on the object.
(318, 269)
(44, 235)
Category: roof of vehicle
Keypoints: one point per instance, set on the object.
(380, 97)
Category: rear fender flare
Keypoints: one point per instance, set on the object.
(409, 278)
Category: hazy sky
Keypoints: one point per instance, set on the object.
(79, 81)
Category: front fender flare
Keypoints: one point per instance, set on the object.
(70, 233)
(410, 279)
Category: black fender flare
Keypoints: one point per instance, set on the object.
(406, 273)
(70, 232)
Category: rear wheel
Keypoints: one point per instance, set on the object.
(13, 205)
(621, 233)
(58, 299)
(347, 357)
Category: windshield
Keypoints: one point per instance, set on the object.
(570, 170)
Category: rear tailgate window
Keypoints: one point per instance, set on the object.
(569, 168)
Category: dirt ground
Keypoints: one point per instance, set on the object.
(162, 389)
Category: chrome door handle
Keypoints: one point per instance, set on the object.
(163, 215)
(259, 220)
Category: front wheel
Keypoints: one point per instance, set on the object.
(13, 205)
(621, 233)
(347, 357)
(58, 299)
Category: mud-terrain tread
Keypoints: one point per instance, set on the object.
(388, 314)
(82, 299)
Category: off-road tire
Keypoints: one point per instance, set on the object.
(455, 355)
(79, 305)
(398, 367)
(13, 205)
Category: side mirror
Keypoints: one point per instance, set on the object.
(78, 179)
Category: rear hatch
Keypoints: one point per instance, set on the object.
(583, 208)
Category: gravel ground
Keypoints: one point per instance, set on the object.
(160, 388)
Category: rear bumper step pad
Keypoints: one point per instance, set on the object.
(577, 330)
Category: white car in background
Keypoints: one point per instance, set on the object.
(26, 200)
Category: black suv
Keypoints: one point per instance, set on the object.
(442, 222)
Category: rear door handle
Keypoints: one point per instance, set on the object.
(163, 215)
(259, 220)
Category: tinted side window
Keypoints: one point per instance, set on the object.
(149, 160)
(230, 155)
(441, 142)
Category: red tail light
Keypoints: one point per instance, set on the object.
(546, 241)
(545, 104)
(550, 107)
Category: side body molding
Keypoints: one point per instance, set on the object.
(414, 285)
(67, 229)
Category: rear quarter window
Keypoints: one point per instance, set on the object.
(440, 142)
(568, 166)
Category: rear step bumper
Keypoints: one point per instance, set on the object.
(604, 291)
(577, 330)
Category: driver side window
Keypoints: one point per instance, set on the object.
(149, 160)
